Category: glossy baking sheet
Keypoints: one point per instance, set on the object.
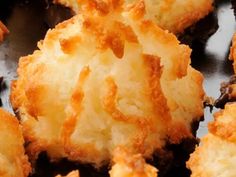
(28, 21)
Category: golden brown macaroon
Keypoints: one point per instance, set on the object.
(3, 31)
(13, 161)
(128, 165)
(216, 155)
(173, 15)
(105, 79)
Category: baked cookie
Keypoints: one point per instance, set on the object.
(103, 79)
(216, 155)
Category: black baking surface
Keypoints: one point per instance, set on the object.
(28, 21)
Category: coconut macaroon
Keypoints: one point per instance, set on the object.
(13, 161)
(216, 155)
(106, 78)
(127, 165)
(173, 15)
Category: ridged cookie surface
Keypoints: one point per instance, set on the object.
(106, 78)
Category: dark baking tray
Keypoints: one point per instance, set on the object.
(28, 21)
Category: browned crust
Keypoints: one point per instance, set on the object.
(34, 92)
(179, 68)
(16, 97)
(177, 131)
(76, 108)
(109, 104)
(68, 46)
(101, 6)
(225, 131)
(115, 43)
(3, 31)
(78, 153)
(138, 9)
(156, 95)
(86, 152)
(35, 145)
(114, 37)
(123, 155)
(221, 129)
